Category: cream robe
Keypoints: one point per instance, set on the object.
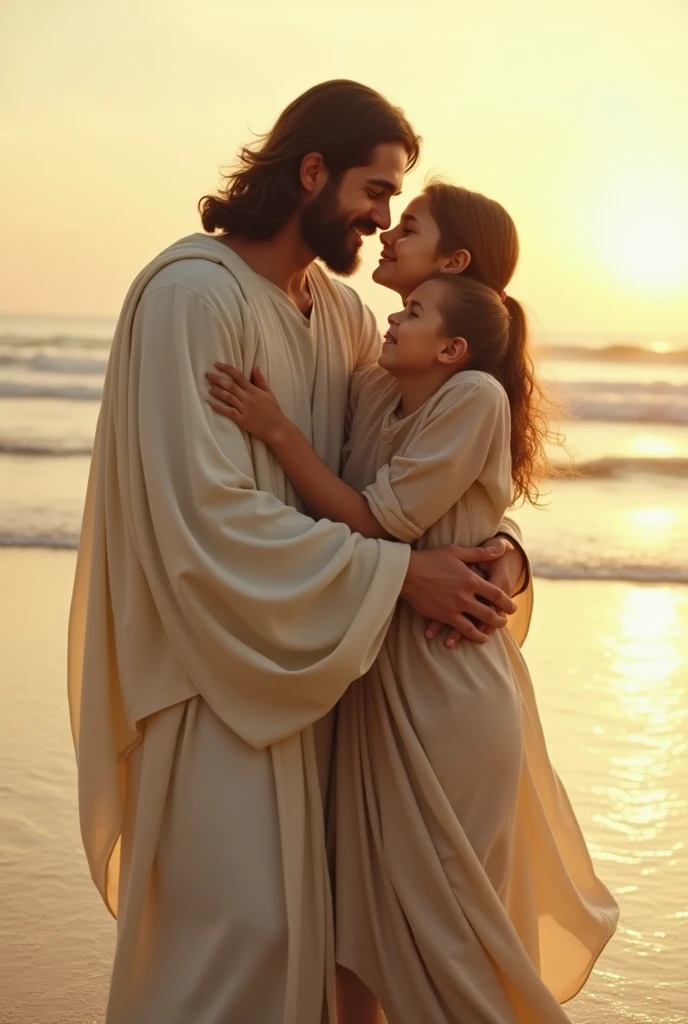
(212, 625)
(464, 888)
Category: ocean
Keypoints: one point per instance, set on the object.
(622, 515)
(608, 651)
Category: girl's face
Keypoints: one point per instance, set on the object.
(416, 341)
(410, 250)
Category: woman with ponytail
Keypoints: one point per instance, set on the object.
(464, 891)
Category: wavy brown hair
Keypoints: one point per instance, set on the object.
(468, 220)
(342, 120)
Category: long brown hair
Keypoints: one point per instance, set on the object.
(342, 120)
(470, 221)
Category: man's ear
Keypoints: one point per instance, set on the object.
(453, 351)
(313, 172)
(457, 262)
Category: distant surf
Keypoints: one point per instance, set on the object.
(597, 569)
(617, 401)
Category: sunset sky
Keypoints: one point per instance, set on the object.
(116, 115)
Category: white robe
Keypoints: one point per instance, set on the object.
(212, 625)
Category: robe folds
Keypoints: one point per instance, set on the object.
(464, 888)
(213, 627)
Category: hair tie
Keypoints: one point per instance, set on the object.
(503, 296)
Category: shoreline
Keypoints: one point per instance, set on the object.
(640, 576)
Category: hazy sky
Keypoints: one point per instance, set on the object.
(116, 115)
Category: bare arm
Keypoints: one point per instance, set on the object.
(434, 577)
(324, 493)
(255, 409)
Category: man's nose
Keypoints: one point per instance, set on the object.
(382, 216)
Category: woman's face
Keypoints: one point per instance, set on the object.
(410, 250)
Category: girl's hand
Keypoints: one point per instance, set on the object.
(249, 403)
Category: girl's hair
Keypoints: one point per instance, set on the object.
(496, 333)
(342, 120)
(468, 220)
(471, 221)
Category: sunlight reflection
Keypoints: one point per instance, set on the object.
(656, 517)
(645, 659)
(654, 447)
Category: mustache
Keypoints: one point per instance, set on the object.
(366, 227)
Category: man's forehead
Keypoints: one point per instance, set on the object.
(387, 166)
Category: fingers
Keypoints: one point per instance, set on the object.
(491, 619)
(258, 379)
(225, 387)
(497, 547)
(226, 396)
(489, 554)
(455, 635)
(452, 639)
(483, 613)
(493, 595)
(486, 568)
(464, 628)
(231, 371)
(469, 631)
(225, 410)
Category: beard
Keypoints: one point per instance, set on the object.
(328, 232)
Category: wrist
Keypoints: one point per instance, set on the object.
(408, 586)
(280, 436)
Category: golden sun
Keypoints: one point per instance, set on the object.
(644, 234)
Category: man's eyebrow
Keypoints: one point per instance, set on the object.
(386, 184)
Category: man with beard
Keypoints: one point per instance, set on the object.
(213, 622)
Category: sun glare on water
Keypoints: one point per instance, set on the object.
(662, 348)
(657, 517)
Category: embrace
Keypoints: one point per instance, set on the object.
(313, 783)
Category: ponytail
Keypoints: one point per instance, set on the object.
(515, 371)
(495, 324)
(496, 329)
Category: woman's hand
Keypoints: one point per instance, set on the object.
(249, 403)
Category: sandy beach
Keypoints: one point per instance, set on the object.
(610, 665)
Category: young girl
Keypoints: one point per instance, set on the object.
(464, 892)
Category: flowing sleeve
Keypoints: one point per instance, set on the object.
(270, 614)
(464, 436)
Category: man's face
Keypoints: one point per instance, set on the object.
(334, 222)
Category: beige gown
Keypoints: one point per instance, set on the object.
(464, 889)
(212, 625)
